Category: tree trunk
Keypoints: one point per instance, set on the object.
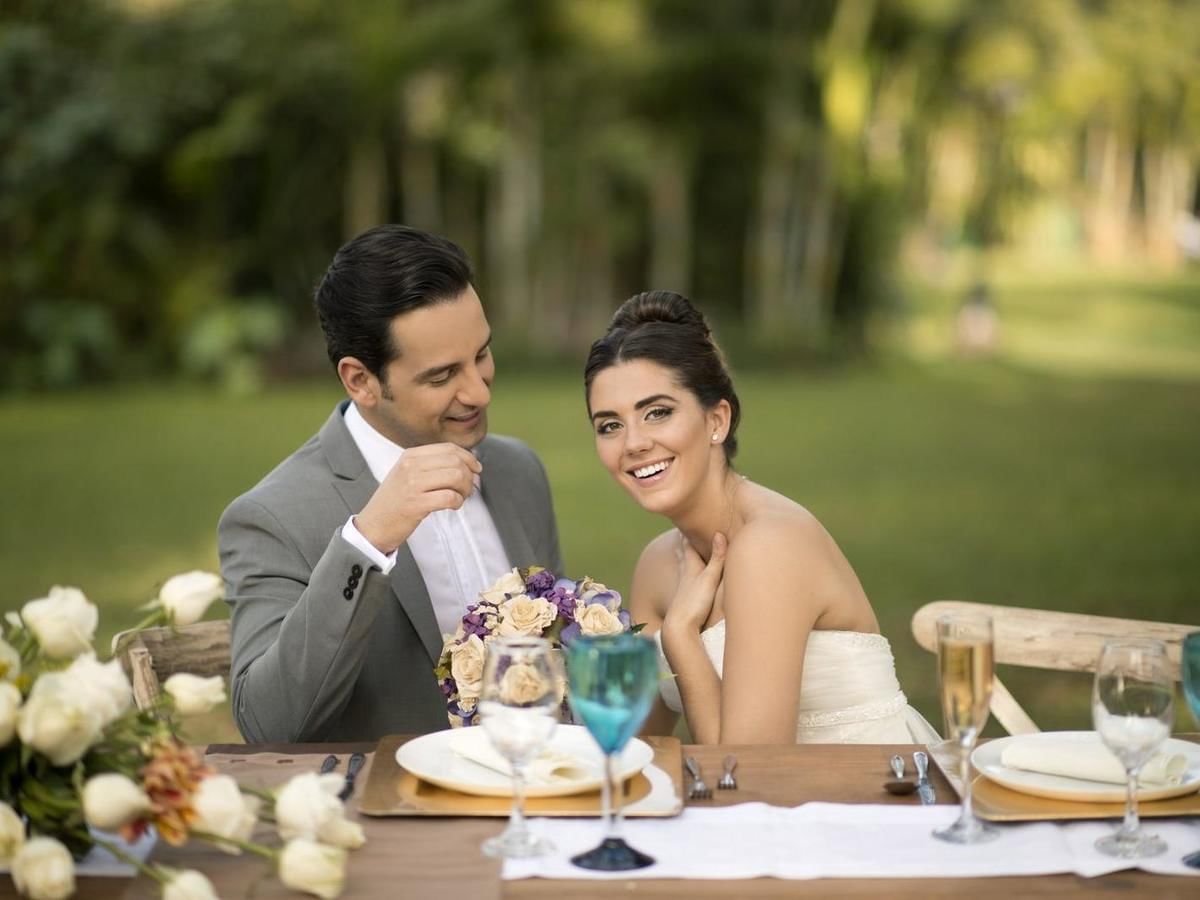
(1169, 183)
(671, 223)
(365, 196)
(1110, 165)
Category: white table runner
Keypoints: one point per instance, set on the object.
(833, 840)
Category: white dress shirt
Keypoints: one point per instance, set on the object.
(458, 551)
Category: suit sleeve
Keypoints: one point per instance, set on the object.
(299, 631)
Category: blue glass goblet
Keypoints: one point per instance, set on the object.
(1191, 689)
(611, 683)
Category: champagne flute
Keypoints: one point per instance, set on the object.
(611, 684)
(965, 671)
(1133, 706)
(1191, 689)
(518, 710)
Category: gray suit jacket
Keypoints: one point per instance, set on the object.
(325, 647)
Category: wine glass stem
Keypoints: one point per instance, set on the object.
(516, 820)
(611, 800)
(1129, 826)
(964, 771)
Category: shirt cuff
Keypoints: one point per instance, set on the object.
(353, 537)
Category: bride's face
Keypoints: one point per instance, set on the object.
(652, 434)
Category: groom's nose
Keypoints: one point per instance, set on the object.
(475, 391)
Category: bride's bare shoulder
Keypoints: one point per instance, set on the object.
(655, 575)
(777, 525)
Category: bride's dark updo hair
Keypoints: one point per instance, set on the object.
(663, 327)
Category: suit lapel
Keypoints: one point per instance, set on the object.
(355, 483)
(501, 496)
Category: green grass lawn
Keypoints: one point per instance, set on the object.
(993, 481)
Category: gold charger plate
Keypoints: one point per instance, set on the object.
(392, 791)
(1000, 804)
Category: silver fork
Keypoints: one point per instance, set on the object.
(698, 790)
(728, 782)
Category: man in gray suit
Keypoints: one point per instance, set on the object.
(347, 563)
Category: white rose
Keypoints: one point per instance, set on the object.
(189, 885)
(525, 616)
(64, 623)
(508, 584)
(10, 662)
(307, 866)
(187, 597)
(588, 588)
(523, 684)
(12, 833)
(194, 695)
(596, 619)
(111, 800)
(223, 810)
(43, 870)
(10, 703)
(105, 684)
(308, 807)
(59, 719)
(466, 666)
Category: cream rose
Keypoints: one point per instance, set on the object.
(59, 719)
(10, 662)
(525, 616)
(187, 597)
(194, 695)
(222, 809)
(523, 684)
(64, 622)
(43, 870)
(105, 684)
(596, 619)
(507, 585)
(111, 800)
(12, 833)
(308, 807)
(588, 588)
(307, 866)
(10, 704)
(466, 666)
(189, 885)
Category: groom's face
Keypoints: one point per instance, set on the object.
(439, 386)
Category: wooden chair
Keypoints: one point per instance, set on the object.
(1068, 642)
(153, 655)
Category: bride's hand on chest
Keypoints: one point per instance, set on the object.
(698, 592)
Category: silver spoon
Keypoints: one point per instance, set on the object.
(901, 785)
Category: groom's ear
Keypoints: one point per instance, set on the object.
(360, 384)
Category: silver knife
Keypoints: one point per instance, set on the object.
(356, 763)
(924, 788)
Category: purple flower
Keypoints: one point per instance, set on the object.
(564, 600)
(566, 584)
(610, 599)
(626, 621)
(569, 634)
(540, 583)
(448, 688)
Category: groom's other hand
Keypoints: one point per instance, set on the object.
(426, 479)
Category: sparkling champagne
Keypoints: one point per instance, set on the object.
(965, 672)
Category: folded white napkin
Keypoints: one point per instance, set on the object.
(1091, 762)
(549, 767)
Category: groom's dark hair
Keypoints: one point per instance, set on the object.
(664, 328)
(385, 272)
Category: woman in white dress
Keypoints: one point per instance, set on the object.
(761, 619)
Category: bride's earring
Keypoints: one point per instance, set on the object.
(716, 437)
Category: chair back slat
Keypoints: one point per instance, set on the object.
(153, 655)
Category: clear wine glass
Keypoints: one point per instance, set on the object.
(1191, 689)
(1133, 706)
(965, 671)
(611, 683)
(518, 709)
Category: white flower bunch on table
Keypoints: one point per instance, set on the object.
(77, 758)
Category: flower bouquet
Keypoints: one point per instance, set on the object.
(80, 766)
(529, 602)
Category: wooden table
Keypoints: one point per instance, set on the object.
(425, 858)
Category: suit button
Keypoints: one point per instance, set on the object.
(353, 582)
(356, 570)
(348, 594)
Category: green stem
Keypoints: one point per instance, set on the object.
(265, 852)
(132, 860)
(265, 796)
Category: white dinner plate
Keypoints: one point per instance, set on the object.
(986, 760)
(430, 758)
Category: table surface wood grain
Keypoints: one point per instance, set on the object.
(440, 857)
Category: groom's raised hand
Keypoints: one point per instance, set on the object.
(427, 478)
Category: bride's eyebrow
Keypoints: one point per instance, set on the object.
(641, 404)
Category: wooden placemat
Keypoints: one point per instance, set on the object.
(392, 791)
(997, 803)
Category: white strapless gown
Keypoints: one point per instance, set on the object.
(848, 693)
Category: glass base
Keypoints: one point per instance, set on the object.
(513, 844)
(1131, 846)
(613, 855)
(967, 831)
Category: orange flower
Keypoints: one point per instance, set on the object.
(170, 779)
